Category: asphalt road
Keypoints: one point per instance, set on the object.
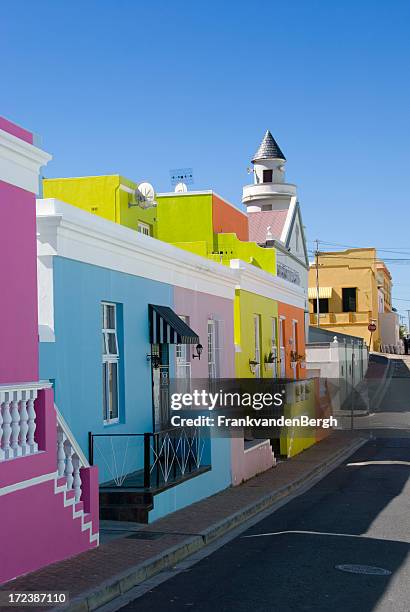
(390, 415)
(359, 514)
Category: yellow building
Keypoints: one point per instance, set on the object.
(111, 196)
(384, 284)
(348, 293)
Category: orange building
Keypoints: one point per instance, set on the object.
(291, 338)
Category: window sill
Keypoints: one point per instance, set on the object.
(111, 422)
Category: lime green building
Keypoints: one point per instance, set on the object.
(111, 196)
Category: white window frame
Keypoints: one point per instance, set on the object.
(110, 357)
(274, 346)
(211, 337)
(294, 344)
(257, 342)
(282, 348)
(144, 228)
(182, 356)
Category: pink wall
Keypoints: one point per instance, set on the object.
(254, 461)
(16, 130)
(199, 307)
(42, 530)
(25, 468)
(18, 279)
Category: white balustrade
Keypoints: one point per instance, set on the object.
(60, 452)
(17, 433)
(70, 458)
(76, 477)
(69, 469)
(18, 420)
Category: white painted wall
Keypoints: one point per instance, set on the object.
(389, 326)
(335, 362)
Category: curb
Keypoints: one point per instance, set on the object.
(120, 584)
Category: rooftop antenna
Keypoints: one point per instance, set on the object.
(181, 178)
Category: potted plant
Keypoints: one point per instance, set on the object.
(253, 364)
(270, 360)
(295, 358)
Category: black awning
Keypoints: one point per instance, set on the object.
(167, 328)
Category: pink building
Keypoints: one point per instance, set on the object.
(211, 316)
(46, 484)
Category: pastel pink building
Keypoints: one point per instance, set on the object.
(46, 483)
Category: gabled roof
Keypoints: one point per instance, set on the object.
(260, 221)
(268, 149)
(281, 223)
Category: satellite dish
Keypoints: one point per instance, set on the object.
(181, 188)
(145, 195)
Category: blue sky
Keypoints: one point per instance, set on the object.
(142, 87)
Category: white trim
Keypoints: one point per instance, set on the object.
(20, 162)
(267, 285)
(41, 384)
(112, 358)
(77, 448)
(141, 226)
(126, 189)
(288, 221)
(25, 484)
(256, 446)
(69, 232)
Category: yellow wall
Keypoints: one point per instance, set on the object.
(350, 268)
(246, 305)
(101, 195)
(385, 285)
(295, 440)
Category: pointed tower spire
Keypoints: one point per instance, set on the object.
(268, 149)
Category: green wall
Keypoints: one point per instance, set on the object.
(246, 306)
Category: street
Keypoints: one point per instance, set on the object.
(358, 515)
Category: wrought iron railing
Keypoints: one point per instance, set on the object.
(148, 460)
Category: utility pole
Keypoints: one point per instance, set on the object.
(408, 327)
(317, 286)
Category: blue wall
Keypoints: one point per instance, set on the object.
(191, 491)
(74, 362)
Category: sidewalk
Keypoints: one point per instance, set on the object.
(98, 576)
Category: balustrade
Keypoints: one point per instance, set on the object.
(17, 433)
(70, 458)
(18, 421)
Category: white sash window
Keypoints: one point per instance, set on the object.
(110, 359)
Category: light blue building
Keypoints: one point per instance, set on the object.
(107, 341)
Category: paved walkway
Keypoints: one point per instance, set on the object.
(97, 576)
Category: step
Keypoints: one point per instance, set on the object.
(134, 514)
(124, 497)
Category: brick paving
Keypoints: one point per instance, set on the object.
(91, 569)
